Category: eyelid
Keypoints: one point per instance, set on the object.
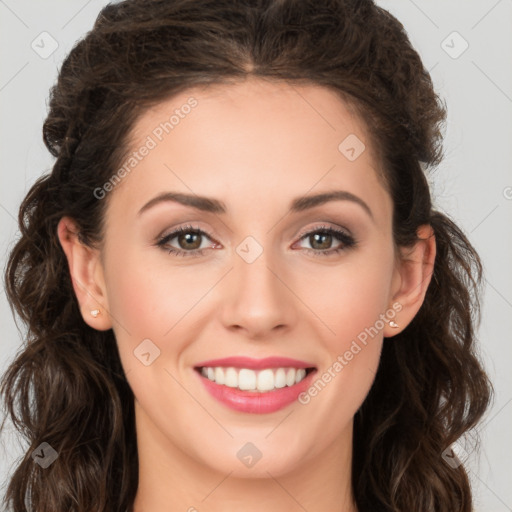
(323, 226)
(342, 234)
(187, 227)
(162, 239)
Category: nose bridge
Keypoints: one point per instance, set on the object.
(257, 299)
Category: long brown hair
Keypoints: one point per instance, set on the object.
(67, 387)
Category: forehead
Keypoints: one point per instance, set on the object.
(253, 137)
(274, 109)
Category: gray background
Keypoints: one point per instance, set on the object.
(473, 184)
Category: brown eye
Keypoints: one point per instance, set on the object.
(188, 240)
(321, 240)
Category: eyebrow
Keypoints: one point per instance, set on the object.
(211, 205)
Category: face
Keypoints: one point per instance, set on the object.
(274, 284)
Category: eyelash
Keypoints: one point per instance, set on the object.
(347, 240)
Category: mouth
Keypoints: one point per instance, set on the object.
(257, 381)
(255, 385)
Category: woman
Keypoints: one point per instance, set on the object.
(314, 347)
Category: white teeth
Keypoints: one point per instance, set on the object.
(290, 377)
(251, 380)
(231, 378)
(219, 375)
(246, 379)
(280, 378)
(265, 380)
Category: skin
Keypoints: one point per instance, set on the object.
(255, 146)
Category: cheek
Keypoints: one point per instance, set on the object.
(347, 299)
(148, 295)
(151, 298)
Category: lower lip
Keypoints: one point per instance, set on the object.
(254, 401)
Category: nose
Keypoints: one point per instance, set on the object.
(257, 299)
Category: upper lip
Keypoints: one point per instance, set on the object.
(256, 364)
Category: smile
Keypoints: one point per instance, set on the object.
(261, 381)
(255, 386)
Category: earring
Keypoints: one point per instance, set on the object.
(95, 312)
(393, 324)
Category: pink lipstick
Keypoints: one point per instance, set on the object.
(255, 385)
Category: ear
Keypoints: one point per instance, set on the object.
(411, 279)
(86, 273)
